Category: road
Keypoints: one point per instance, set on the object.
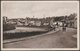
(58, 39)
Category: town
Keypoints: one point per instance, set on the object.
(45, 24)
(70, 21)
(63, 27)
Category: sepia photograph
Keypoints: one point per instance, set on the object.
(40, 24)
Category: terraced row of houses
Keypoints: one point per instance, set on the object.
(31, 21)
(71, 21)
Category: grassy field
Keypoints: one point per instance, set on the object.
(22, 32)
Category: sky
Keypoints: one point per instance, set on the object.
(38, 9)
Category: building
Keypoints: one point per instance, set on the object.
(37, 23)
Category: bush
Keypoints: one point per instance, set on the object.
(8, 27)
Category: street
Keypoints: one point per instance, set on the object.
(58, 39)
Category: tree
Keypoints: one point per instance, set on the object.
(72, 16)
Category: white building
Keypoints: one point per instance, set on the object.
(38, 23)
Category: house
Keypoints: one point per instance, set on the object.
(46, 24)
(31, 23)
(19, 23)
(60, 23)
(38, 23)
